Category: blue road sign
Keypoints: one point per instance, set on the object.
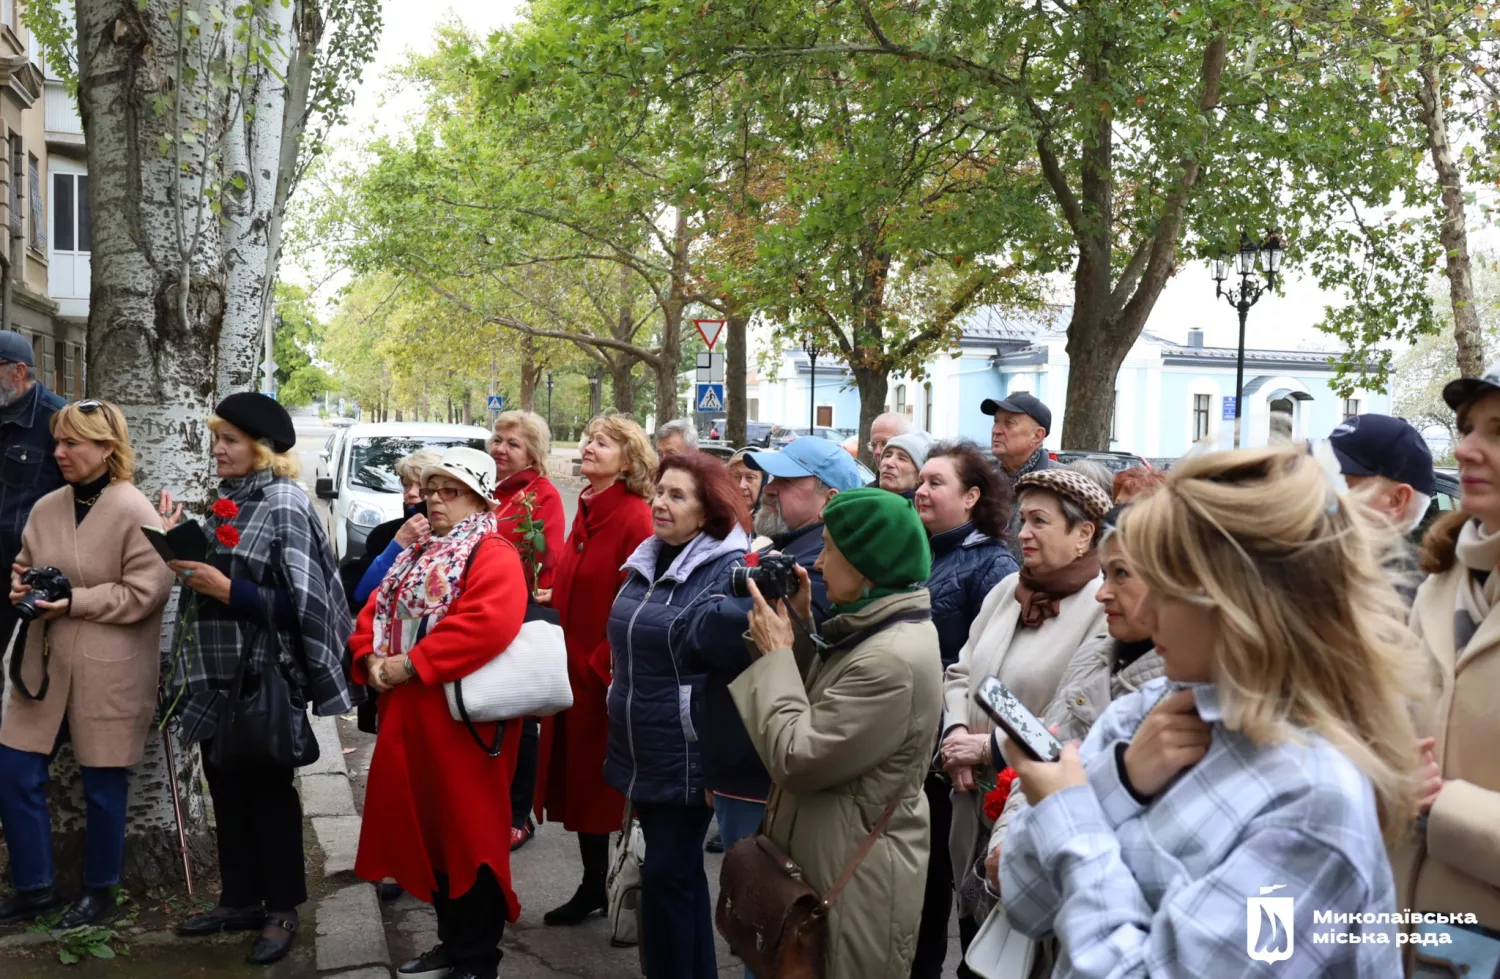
(497, 402)
(1229, 409)
(710, 397)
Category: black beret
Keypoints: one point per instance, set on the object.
(260, 417)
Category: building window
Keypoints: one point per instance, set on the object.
(38, 239)
(927, 407)
(752, 409)
(901, 399)
(1351, 407)
(825, 416)
(71, 225)
(17, 174)
(1201, 416)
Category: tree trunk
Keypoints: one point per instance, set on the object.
(155, 326)
(623, 385)
(669, 351)
(1453, 231)
(735, 375)
(872, 387)
(1093, 364)
(531, 375)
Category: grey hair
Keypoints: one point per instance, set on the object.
(1073, 514)
(905, 424)
(680, 427)
(1096, 472)
(409, 469)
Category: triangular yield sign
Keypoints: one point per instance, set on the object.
(704, 326)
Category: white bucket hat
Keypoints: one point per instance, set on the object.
(473, 468)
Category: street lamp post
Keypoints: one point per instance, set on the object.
(549, 401)
(1248, 294)
(810, 347)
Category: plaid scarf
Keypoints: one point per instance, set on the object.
(1480, 588)
(275, 517)
(1030, 464)
(423, 584)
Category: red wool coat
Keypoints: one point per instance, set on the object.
(547, 508)
(605, 533)
(435, 800)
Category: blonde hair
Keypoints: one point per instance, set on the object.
(283, 464)
(409, 469)
(534, 433)
(106, 423)
(1311, 634)
(640, 457)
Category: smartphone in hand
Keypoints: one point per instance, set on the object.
(1023, 727)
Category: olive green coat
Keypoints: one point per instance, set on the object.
(839, 749)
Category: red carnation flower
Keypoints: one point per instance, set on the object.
(226, 509)
(227, 535)
(994, 803)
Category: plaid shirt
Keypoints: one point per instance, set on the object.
(1164, 889)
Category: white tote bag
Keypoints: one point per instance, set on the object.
(623, 885)
(528, 679)
(998, 951)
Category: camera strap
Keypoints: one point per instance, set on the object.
(16, 650)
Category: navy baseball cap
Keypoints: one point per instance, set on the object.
(1379, 445)
(16, 349)
(1021, 404)
(810, 456)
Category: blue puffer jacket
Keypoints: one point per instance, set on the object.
(656, 696)
(966, 565)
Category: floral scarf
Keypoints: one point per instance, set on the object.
(424, 582)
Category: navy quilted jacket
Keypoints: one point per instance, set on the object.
(966, 565)
(656, 697)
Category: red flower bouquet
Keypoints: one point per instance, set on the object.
(227, 535)
(994, 802)
(226, 509)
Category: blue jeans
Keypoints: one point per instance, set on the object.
(737, 820)
(28, 824)
(677, 939)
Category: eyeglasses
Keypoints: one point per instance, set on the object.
(445, 493)
(875, 447)
(90, 406)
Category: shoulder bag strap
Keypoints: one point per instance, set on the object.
(493, 750)
(17, 650)
(859, 856)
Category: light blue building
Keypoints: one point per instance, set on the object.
(1168, 395)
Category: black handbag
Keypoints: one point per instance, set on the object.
(263, 722)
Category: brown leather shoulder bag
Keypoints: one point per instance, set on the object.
(769, 914)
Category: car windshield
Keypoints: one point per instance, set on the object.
(372, 463)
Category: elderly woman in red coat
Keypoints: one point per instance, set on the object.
(613, 517)
(519, 445)
(438, 804)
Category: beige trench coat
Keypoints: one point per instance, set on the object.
(1457, 866)
(104, 655)
(839, 749)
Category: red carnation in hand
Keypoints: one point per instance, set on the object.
(227, 535)
(226, 509)
(994, 803)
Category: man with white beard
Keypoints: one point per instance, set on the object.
(803, 478)
(27, 470)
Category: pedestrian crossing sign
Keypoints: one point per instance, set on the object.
(710, 397)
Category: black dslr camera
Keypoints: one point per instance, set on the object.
(775, 576)
(47, 585)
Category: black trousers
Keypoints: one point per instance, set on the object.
(258, 817)
(523, 784)
(937, 899)
(471, 925)
(676, 915)
(968, 927)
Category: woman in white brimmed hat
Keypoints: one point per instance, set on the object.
(438, 811)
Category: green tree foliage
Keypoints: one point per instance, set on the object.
(298, 337)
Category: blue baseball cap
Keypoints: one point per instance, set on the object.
(1379, 445)
(810, 456)
(16, 349)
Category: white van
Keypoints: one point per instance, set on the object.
(357, 474)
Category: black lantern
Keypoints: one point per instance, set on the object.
(1267, 256)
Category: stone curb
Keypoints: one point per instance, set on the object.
(351, 934)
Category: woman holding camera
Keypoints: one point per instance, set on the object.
(613, 518)
(1277, 750)
(848, 750)
(656, 703)
(269, 595)
(88, 660)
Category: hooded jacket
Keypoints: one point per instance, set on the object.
(656, 698)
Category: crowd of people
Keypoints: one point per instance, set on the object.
(1260, 689)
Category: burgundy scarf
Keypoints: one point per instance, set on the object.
(1040, 593)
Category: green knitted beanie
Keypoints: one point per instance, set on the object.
(880, 533)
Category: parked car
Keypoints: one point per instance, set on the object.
(782, 436)
(1448, 497)
(357, 474)
(1115, 462)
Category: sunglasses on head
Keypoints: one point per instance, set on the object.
(90, 406)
